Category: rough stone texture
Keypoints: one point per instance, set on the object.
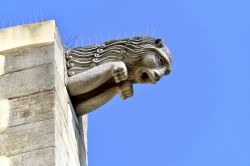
(24, 82)
(27, 137)
(32, 108)
(4, 115)
(38, 125)
(26, 58)
(41, 157)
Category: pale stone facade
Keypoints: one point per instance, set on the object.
(38, 125)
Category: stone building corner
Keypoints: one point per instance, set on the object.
(38, 125)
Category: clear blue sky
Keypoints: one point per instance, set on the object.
(200, 114)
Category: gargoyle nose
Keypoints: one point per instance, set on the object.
(157, 76)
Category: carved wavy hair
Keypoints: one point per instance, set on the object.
(128, 50)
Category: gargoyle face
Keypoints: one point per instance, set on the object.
(155, 64)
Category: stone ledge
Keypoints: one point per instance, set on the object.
(25, 36)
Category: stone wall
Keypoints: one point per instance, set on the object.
(38, 125)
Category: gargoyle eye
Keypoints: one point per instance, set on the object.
(159, 43)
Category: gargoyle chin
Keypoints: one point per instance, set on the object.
(96, 73)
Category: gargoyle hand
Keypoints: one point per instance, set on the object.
(120, 72)
(125, 89)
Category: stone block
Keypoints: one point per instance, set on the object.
(26, 36)
(27, 137)
(28, 81)
(26, 58)
(31, 108)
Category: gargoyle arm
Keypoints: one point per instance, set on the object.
(91, 79)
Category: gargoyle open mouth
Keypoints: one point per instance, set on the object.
(147, 76)
(144, 76)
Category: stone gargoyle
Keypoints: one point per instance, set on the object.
(96, 73)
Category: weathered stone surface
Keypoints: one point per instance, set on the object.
(26, 58)
(59, 59)
(4, 114)
(27, 137)
(67, 131)
(61, 154)
(41, 157)
(32, 108)
(27, 81)
(26, 36)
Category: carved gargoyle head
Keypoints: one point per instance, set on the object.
(146, 58)
(155, 63)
